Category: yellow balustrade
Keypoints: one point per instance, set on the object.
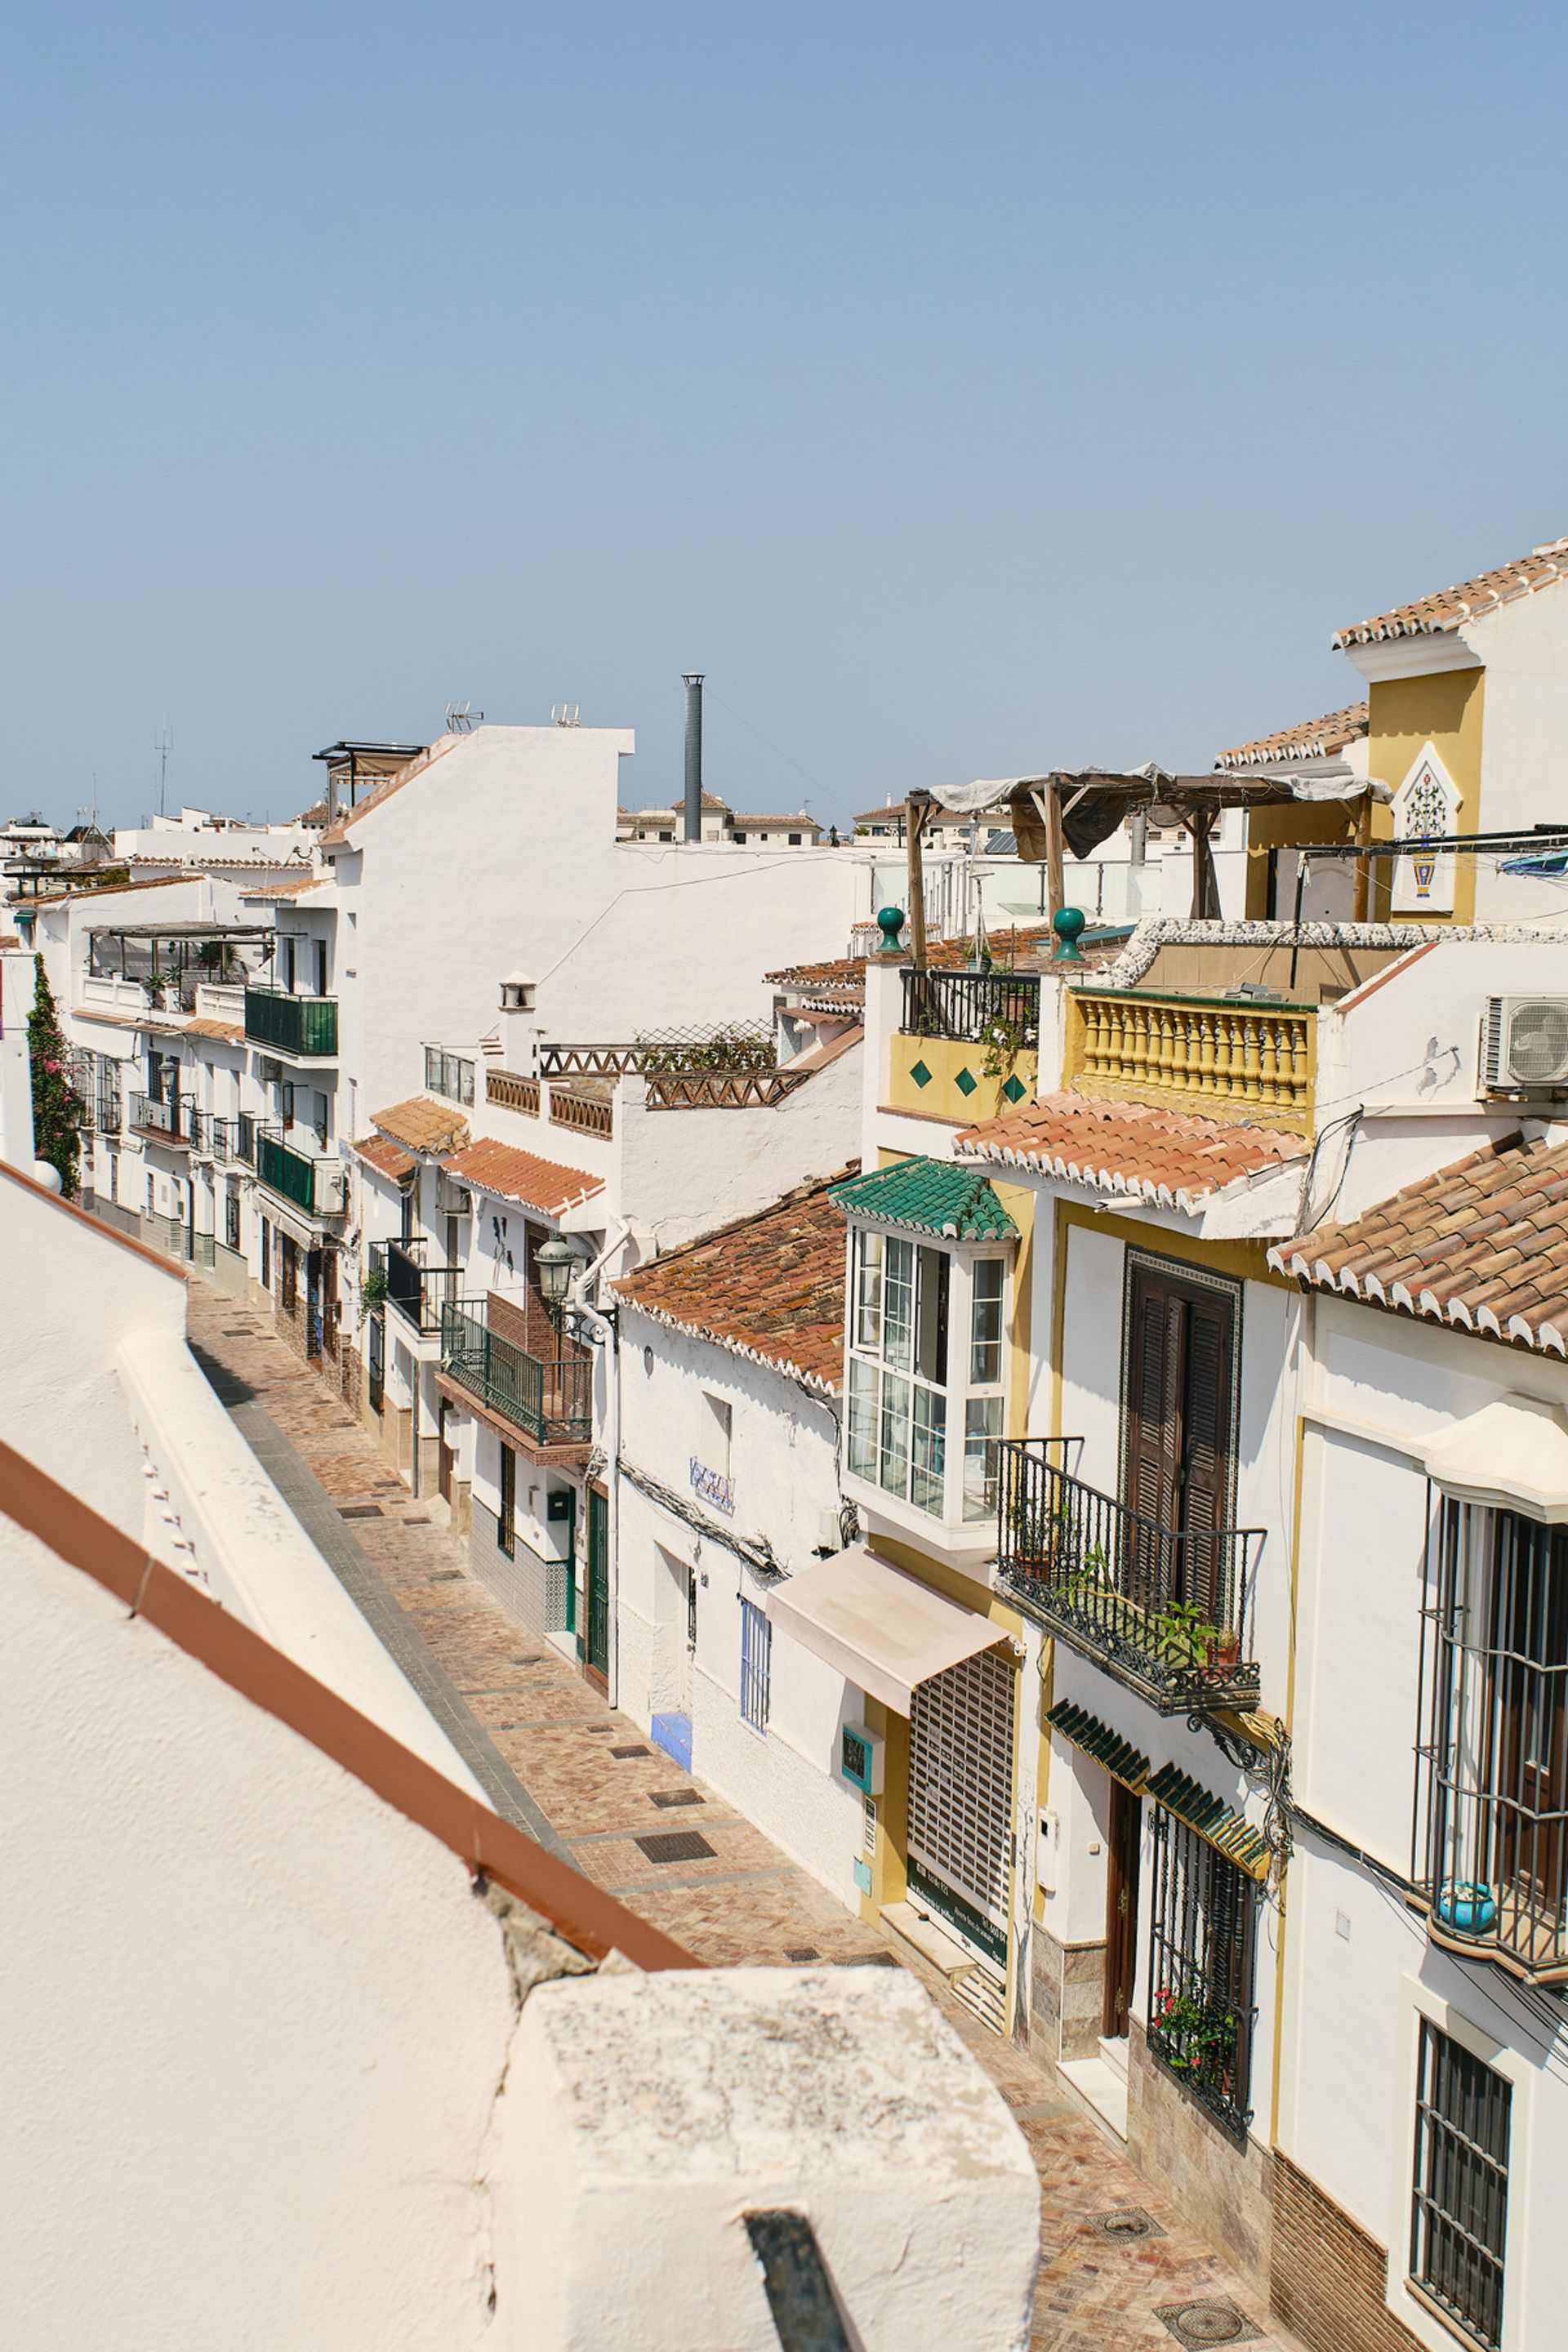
(1215, 1057)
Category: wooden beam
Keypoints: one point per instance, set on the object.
(919, 807)
(1363, 865)
(1052, 811)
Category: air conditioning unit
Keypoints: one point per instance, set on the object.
(332, 1188)
(267, 1070)
(1524, 1046)
(452, 1200)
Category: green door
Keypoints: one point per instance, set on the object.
(596, 1642)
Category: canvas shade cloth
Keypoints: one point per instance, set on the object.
(881, 1630)
(1513, 1455)
(1095, 801)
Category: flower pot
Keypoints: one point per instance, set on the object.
(1467, 1907)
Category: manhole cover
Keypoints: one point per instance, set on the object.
(1128, 2222)
(677, 1845)
(800, 1954)
(668, 1797)
(359, 1510)
(620, 1754)
(446, 1575)
(1207, 2322)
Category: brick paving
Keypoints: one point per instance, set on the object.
(743, 1903)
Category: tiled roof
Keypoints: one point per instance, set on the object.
(379, 1153)
(229, 1033)
(1483, 1244)
(846, 975)
(770, 1287)
(806, 823)
(1170, 1157)
(1315, 739)
(116, 890)
(295, 887)
(337, 832)
(929, 1196)
(422, 1124)
(514, 1175)
(1430, 616)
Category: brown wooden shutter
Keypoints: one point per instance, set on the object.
(1154, 1401)
(1206, 1449)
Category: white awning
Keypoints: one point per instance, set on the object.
(883, 1630)
(1512, 1455)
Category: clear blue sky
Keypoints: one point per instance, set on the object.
(964, 388)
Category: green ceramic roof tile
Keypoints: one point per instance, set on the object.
(1120, 1759)
(1212, 1819)
(929, 1196)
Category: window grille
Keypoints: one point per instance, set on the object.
(1201, 1947)
(1491, 1823)
(756, 1664)
(1458, 2210)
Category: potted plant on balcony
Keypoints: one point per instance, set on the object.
(1184, 1634)
(372, 1291)
(154, 983)
(1224, 1649)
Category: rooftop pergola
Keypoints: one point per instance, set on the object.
(1076, 809)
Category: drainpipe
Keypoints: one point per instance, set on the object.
(602, 1325)
(693, 679)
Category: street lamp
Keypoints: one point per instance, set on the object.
(554, 1264)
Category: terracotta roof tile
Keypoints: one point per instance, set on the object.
(379, 1153)
(422, 1124)
(1168, 1156)
(1448, 607)
(231, 1032)
(770, 1287)
(1315, 739)
(514, 1175)
(337, 833)
(1482, 1243)
(845, 976)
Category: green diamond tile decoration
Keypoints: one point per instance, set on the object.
(920, 1074)
(1014, 1090)
(965, 1083)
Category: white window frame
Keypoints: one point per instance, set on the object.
(896, 1405)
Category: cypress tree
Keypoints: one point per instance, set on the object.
(57, 1114)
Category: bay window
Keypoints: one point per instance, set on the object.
(919, 1397)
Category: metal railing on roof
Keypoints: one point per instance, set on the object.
(975, 1007)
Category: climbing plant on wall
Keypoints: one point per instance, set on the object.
(57, 1113)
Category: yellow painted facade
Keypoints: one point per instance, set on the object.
(1443, 709)
(947, 1059)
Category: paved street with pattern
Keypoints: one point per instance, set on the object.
(567, 1766)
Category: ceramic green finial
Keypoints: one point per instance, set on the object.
(1067, 923)
(889, 922)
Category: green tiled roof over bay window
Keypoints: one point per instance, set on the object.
(929, 1196)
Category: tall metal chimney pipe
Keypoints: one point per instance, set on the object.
(693, 679)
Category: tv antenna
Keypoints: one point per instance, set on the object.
(163, 746)
(462, 719)
(564, 714)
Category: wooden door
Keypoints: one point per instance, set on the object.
(446, 1454)
(1123, 1849)
(1181, 1360)
(597, 1586)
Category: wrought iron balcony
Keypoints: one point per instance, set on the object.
(976, 1007)
(168, 1122)
(417, 1290)
(551, 1402)
(313, 1184)
(292, 1025)
(1167, 1610)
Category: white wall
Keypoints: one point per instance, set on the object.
(1524, 720)
(681, 1172)
(782, 1461)
(256, 2022)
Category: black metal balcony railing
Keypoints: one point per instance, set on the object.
(220, 1138)
(294, 1024)
(980, 1008)
(1168, 1610)
(245, 1137)
(170, 1121)
(417, 1290)
(554, 1402)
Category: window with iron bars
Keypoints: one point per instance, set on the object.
(1458, 2210)
(1491, 1820)
(448, 1075)
(756, 1665)
(1201, 1961)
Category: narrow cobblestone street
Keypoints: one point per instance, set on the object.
(567, 1767)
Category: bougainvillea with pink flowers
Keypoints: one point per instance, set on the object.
(57, 1113)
